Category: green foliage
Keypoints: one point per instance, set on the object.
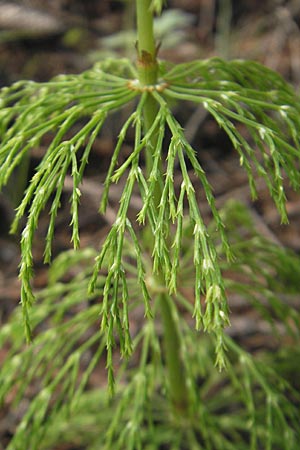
(246, 406)
(169, 260)
(235, 92)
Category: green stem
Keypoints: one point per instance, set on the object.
(148, 72)
(146, 63)
(145, 33)
(176, 373)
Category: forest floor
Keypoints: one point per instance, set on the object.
(72, 34)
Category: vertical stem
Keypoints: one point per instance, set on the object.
(223, 29)
(148, 71)
(147, 67)
(176, 372)
(146, 63)
(146, 41)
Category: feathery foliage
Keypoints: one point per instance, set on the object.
(151, 259)
(233, 92)
(229, 409)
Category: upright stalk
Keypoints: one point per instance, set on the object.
(148, 72)
(176, 372)
(147, 66)
(145, 26)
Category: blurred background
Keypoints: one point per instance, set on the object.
(39, 39)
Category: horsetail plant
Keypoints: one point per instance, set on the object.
(173, 395)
